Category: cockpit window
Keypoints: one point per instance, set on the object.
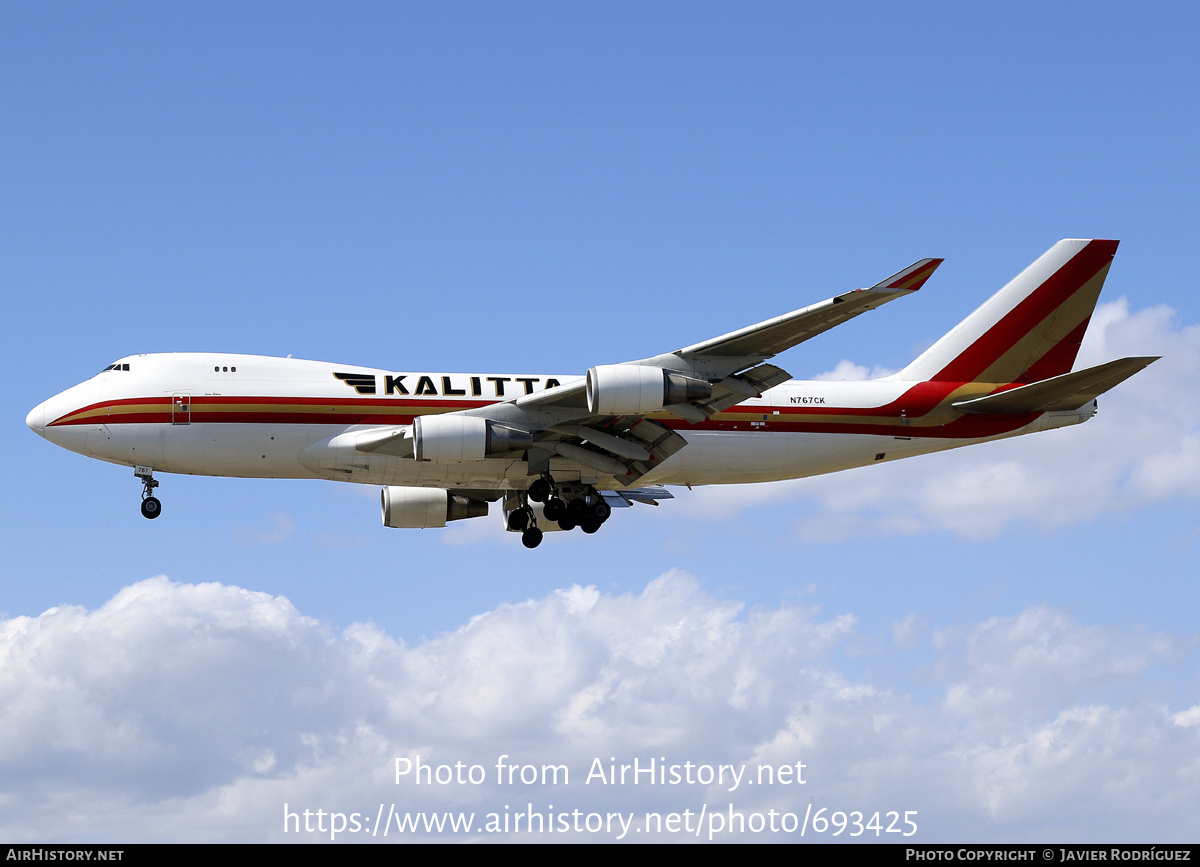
(116, 367)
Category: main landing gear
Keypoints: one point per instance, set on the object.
(569, 505)
(522, 521)
(151, 507)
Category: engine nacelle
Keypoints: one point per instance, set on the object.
(418, 508)
(456, 438)
(635, 389)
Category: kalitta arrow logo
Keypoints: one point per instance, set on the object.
(363, 383)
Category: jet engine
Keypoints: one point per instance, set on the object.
(418, 508)
(634, 389)
(455, 438)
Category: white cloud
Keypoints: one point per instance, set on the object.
(198, 711)
(1025, 666)
(283, 526)
(848, 371)
(906, 633)
(340, 539)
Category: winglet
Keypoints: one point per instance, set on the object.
(911, 278)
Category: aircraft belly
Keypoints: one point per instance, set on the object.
(730, 457)
(128, 444)
(487, 474)
(78, 438)
(738, 458)
(250, 451)
(245, 450)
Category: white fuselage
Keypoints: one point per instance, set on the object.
(260, 417)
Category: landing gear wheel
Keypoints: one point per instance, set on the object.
(531, 538)
(590, 525)
(554, 509)
(151, 507)
(540, 491)
(601, 510)
(577, 510)
(518, 520)
(566, 523)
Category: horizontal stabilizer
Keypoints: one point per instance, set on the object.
(1060, 393)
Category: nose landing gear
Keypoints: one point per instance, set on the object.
(151, 507)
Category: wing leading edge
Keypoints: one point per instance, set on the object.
(773, 336)
(721, 357)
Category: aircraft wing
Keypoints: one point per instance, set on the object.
(783, 332)
(745, 348)
(605, 422)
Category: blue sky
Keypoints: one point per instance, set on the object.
(535, 187)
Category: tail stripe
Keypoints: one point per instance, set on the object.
(1029, 330)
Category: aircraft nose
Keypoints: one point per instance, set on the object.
(37, 419)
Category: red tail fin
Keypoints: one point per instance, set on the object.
(1031, 329)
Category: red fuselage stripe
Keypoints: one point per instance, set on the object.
(901, 417)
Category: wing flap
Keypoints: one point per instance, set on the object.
(659, 440)
(1059, 393)
(649, 495)
(749, 383)
(622, 448)
(644, 445)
